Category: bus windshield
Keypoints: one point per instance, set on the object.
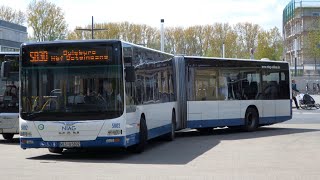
(71, 90)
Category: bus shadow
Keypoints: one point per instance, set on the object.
(187, 146)
(13, 141)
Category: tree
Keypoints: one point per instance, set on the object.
(269, 45)
(247, 38)
(11, 15)
(312, 46)
(47, 21)
(222, 34)
(175, 40)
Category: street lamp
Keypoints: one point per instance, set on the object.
(162, 35)
(295, 56)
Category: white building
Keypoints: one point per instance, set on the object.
(298, 19)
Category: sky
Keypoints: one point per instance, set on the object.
(184, 13)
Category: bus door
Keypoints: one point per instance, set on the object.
(202, 90)
(133, 91)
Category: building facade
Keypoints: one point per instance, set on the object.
(300, 18)
(11, 36)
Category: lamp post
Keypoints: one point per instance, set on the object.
(295, 56)
(223, 50)
(92, 29)
(162, 35)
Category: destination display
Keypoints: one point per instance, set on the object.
(67, 55)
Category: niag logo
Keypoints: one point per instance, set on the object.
(68, 128)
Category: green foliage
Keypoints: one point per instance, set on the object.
(269, 45)
(247, 38)
(11, 15)
(47, 21)
(313, 43)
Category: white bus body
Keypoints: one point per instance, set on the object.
(232, 92)
(65, 99)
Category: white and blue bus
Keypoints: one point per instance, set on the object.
(236, 93)
(9, 99)
(66, 88)
(102, 93)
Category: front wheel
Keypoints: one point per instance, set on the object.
(251, 120)
(143, 137)
(7, 136)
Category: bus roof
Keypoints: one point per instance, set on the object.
(91, 41)
(233, 59)
(71, 42)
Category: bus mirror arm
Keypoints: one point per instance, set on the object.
(130, 74)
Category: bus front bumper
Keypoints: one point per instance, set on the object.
(119, 141)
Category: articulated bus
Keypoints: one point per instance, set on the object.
(94, 94)
(237, 93)
(110, 93)
(9, 99)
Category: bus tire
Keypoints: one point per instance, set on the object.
(171, 135)
(7, 136)
(56, 150)
(251, 120)
(143, 137)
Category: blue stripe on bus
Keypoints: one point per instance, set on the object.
(215, 123)
(155, 132)
(152, 133)
(123, 141)
(234, 122)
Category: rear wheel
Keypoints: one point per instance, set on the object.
(251, 120)
(143, 137)
(55, 150)
(7, 136)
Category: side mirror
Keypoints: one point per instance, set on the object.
(130, 74)
(5, 69)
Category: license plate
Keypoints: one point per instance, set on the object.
(70, 144)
